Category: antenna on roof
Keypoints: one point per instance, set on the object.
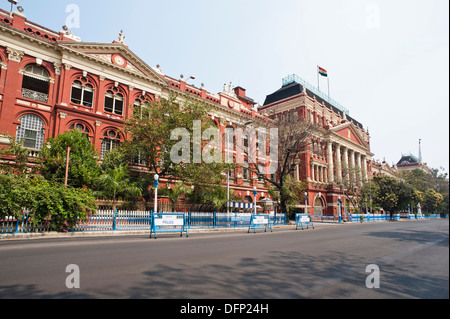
(420, 151)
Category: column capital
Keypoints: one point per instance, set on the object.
(15, 55)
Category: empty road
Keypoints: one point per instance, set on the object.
(326, 263)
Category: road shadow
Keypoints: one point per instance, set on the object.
(285, 275)
(415, 236)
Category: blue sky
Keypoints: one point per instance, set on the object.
(388, 61)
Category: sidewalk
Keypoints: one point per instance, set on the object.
(119, 233)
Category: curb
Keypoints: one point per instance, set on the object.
(116, 233)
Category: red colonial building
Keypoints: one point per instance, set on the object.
(52, 82)
(335, 162)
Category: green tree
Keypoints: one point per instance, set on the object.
(13, 194)
(150, 140)
(83, 167)
(57, 207)
(116, 183)
(432, 200)
(15, 157)
(294, 140)
(394, 195)
(50, 204)
(367, 194)
(292, 193)
(211, 196)
(175, 193)
(150, 134)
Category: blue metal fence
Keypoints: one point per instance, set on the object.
(357, 218)
(121, 220)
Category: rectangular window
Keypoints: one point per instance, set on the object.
(109, 103)
(35, 85)
(30, 139)
(76, 95)
(88, 97)
(118, 107)
(246, 171)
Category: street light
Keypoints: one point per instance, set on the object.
(156, 193)
(306, 203)
(13, 3)
(255, 193)
(67, 166)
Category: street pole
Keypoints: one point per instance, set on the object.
(156, 193)
(255, 193)
(228, 176)
(67, 166)
(306, 203)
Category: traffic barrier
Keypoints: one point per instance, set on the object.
(302, 220)
(260, 222)
(168, 223)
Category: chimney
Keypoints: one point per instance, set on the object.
(19, 20)
(239, 91)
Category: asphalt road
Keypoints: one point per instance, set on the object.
(326, 263)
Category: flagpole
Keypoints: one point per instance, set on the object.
(328, 77)
(318, 78)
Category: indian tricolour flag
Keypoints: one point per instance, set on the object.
(323, 72)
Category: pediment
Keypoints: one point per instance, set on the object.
(349, 132)
(115, 54)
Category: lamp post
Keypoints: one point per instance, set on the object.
(156, 193)
(255, 193)
(13, 3)
(228, 175)
(306, 203)
(67, 166)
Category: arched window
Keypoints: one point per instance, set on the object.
(82, 128)
(140, 104)
(114, 102)
(111, 140)
(36, 83)
(31, 131)
(82, 93)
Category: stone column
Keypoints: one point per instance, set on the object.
(339, 164)
(330, 163)
(360, 169)
(346, 167)
(366, 169)
(353, 166)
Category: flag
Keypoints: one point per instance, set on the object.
(323, 72)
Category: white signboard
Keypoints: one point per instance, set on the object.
(305, 219)
(260, 220)
(169, 220)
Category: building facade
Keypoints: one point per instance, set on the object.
(339, 160)
(52, 82)
(410, 162)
